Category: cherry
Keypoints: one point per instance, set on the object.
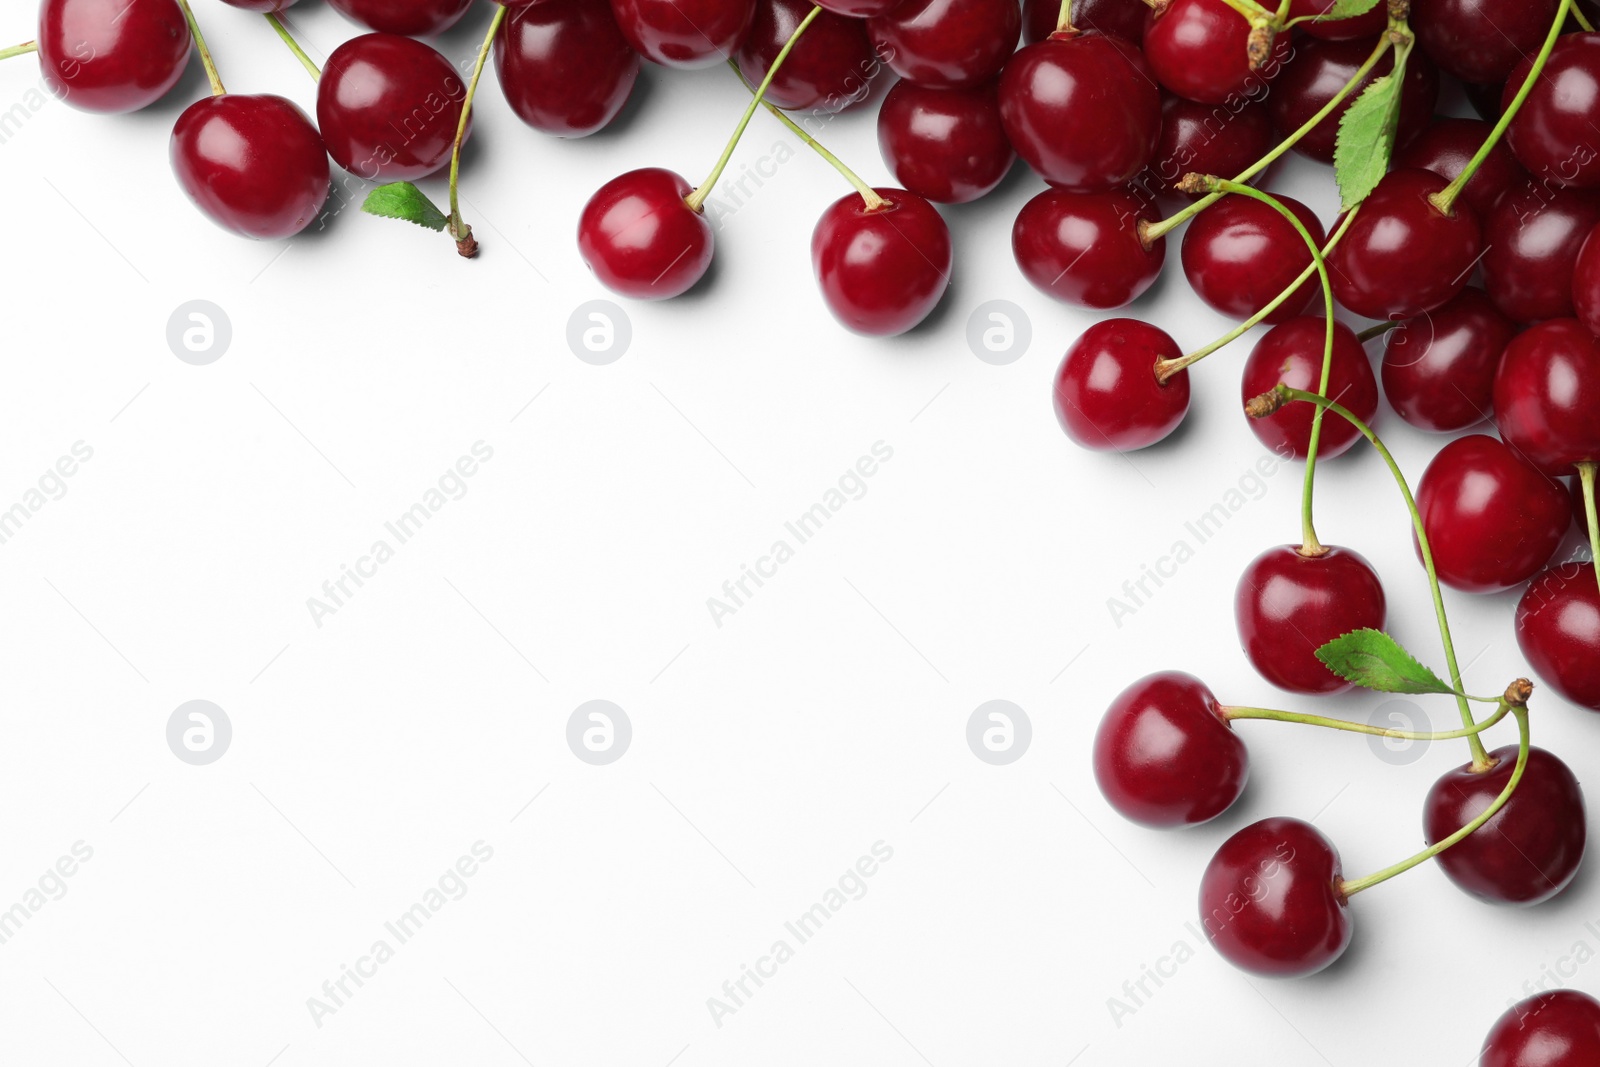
(411, 18)
(1164, 756)
(111, 56)
(563, 65)
(1085, 249)
(1547, 395)
(1319, 69)
(1291, 352)
(1402, 255)
(1530, 849)
(1199, 49)
(1271, 901)
(1560, 1028)
(1240, 253)
(1039, 18)
(1289, 604)
(1205, 139)
(1369, 25)
(262, 7)
(642, 239)
(1081, 110)
(1586, 283)
(686, 34)
(388, 107)
(1493, 521)
(881, 270)
(947, 145)
(254, 164)
(947, 42)
(1438, 368)
(1558, 630)
(1481, 40)
(828, 67)
(1531, 239)
(859, 9)
(1448, 144)
(1553, 133)
(1107, 396)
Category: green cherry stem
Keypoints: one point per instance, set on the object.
(873, 200)
(466, 244)
(1586, 479)
(205, 53)
(1582, 20)
(294, 46)
(1064, 20)
(1377, 330)
(696, 199)
(1273, 715)
(19, 49)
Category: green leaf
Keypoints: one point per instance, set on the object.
(1366, 136)
(1373, 659)
(404, 201)
(1344, 9)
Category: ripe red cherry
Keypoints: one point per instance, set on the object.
(1586, 283)
(1164, 756)
(1481, 40)
(1289, 604)
(1319, 69)
(947, 145)
(111, 56)
(1531, 239)
(1547, 395)
(1493, 520)
(1204, 139)
(1199, 49)
(1552, 135)
(255, 164)
(882, 271)
(411, 18)
(1448, 144)
(1529, 850)
(1107, 396)
(1438, 368)
(1271, 902)
(388, 107)
(1239, 254)
(1560, 1028)
(1081, 110)
(1558, 630)
(642, 239)
(828, 67)
(859, 9)
(1085, 249)
(1369, 25)
(686, 34)
(563, 65)
(947, 42)
(262, 7)
(1040, 17)
(1403, 256)
(1291, 353)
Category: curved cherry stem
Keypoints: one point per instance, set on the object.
(466, 244)
(205, 53)
(19, 49)
(1586, 479)
(1581, 19)
(696, 199)
(1377, 330)
(1274, 715)
(294, 46)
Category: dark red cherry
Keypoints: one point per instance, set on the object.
(642, 239)
(1199, 49)
(1081, 110)
(1164, 756)
(262, 7)
(1448, 144)
(1205, 139)
(1403, 256)
(859, 9)
(1107, 396)
(563, 65)
(1481, 40)
(1558, 630)
(1239, 254)
(947, 42)
(1369, 25)
(684, 33)
(1291, 352)
(1529, 850)
(1560, 1028)
(254, 164)
(1288, 605)
(1531, 239)
(1493, 520)
(111, 56)
(411, 18)
(1438, 368)
(388, 107)
(1040, 17)
(947, 145)
(1319, 69)
(1547, 395)
(1553, 134)
(1586, 283)
(827, 69)
(1085, 249)
(881, 271)
(1271, 900)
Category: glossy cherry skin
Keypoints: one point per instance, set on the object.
(1239, 254)
(254, 164)
(1438, 368)
(642, 239)
(1530, 849)
(564, 67)
(947, 43)
(1205, 139)
(859, 9)
(262, 7)
(1558, 630)
(1081, 110)
(1586, 283)
(1271, 902)
(686, 34)
(1369, 25)
(1106, 394)
(1288, 605)
(1403, 256)
(1493, 520)
(110, 56)
(1199, 49)
(1291, 352)
(1164, 756)
(946, 145)
(1085, 249)
(1040, 17)
(881, 272)
(1560, 1028)
(1445, 148)
(1553, 133)
(410, 18)
(1547, 395)
(1319, 69)
(1481, 40)
(1531, 239)
(388, 107)
(827, 69)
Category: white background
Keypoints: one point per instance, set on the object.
(767, 755)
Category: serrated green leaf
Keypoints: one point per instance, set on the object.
(1374, 660)
(1344, 9)
(404, 201)
(1366, 136)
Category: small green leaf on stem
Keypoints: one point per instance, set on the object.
(1374, 660)
(404, 201)
(1345, 9)
(1366, 136)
